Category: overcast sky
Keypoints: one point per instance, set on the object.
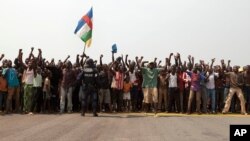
(151, 28)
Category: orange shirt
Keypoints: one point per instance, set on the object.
(127, 87)
(3, 84)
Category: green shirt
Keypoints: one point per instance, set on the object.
(149, 77)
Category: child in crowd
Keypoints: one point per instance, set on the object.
(126, 94)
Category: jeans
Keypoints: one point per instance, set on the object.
(247, 97)
(211, 96)
(66, 92)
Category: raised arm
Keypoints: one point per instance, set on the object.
(1, 57)
(212, 63)
(228, 63)
(66, 59)
(169, 61)
(77, 60)
(179, 58)
(113, 57)
(126, 60)
(101, 56)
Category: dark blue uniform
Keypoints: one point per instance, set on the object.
(89, 85)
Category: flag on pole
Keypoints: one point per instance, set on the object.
(84, 28)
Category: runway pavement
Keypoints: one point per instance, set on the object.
(118, 127)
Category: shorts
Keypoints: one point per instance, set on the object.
(126, 96)
(104, 96)
(150, 95)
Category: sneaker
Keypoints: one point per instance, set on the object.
(83, 114)
(244, 113)
(30, 113)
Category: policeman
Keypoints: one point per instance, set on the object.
(89, 85)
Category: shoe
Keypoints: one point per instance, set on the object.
(244, 113)
(223, 112)
(30, 113)
(155, 115)
(95, 115)
(83, 114)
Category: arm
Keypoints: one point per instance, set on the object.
(179, 58)
(2, 56)
(113, 57)
(211, 66)
(169, 61)
(101, 56)
(159, 63)
(77, 60)
(228, 63)
(126, 60)
(66, 59)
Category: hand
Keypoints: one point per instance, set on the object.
(171, 54)
(136, 58)
(229, 61)
(141, 57)
(77, 55)
(189, 57)
(155, 58)
(178, 55)
(68, 56)
(192, 58)
(32, 48)
(126, 55)
(39, 50)
(2, 55)
(101, 56)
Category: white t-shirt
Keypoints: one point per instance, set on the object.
(29, 76)
(37, 81)
(211, 80)
(132, 77)
(172, 80)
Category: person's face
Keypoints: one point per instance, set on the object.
(235, 69)
(151, 66)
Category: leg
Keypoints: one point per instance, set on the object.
(242, 100)
(69, 98)
(62, 99)
(198, 101)
(228, 100)
(190, 99)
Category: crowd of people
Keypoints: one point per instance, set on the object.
(41, 86)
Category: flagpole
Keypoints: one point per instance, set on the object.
(84, 48)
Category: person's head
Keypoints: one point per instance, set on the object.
(235, 69)
(118, 59)
(127, 79)
(163, 73)
(151, 65)
(9, 63)
(105, 67)
(90, 63)
(29, 64)
(68, 65)
(38, 70)
(132, 65)
(173, 69)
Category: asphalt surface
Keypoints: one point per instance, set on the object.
(118, 127)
